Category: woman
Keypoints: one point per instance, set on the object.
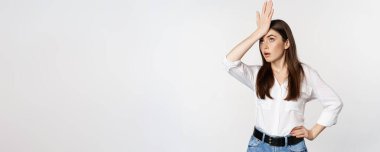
(283, 85)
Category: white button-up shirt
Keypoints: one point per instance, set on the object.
(277, 117)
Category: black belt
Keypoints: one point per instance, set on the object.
(276, 141)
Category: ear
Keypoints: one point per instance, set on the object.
(287, 44)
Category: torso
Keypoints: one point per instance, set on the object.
(281, 78)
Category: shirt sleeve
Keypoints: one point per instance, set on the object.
(241, 71)
(331, 102)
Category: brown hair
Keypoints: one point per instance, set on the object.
(265, 78)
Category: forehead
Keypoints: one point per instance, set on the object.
(272, 32)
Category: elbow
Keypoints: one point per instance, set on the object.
(340, 104)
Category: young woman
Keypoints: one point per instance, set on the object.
(283, 85)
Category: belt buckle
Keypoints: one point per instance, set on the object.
(275, 141)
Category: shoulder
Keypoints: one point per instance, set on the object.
(308, 70)
(311, 75)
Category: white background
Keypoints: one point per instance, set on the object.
(139, 76)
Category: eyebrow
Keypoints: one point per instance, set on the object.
(271, 35)
(268, 36)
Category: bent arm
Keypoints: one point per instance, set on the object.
(329, 99)
(263, 21)
(331, 102)
(239, 50)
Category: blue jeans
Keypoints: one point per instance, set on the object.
(256, 145)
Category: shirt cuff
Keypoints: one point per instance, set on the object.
(327, 119)
(230, 64)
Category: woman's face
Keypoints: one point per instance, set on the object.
(272, 46)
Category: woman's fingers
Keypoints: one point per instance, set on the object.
(264, 7)
(298, 127)
(271, 14)
(299, 132)
(268, 8)
(267, 11)
(257, 18)
(296, 130)
(264, 18)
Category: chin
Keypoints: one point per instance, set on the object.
(268, 60)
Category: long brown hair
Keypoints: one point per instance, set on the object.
(265, 78)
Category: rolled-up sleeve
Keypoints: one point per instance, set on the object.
(241, 71)
(331, 102)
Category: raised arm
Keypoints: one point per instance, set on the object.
(263, 21)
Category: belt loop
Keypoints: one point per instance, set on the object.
(263, 136)
(286, 141)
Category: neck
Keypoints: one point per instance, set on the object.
(279, 64)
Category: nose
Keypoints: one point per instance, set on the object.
(264, 45)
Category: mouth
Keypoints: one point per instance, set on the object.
(266, 54)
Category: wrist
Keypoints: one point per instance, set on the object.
(316, 130)
(310, 135)
(259, 33)
(256, 35)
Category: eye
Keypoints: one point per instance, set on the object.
(271, 39)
